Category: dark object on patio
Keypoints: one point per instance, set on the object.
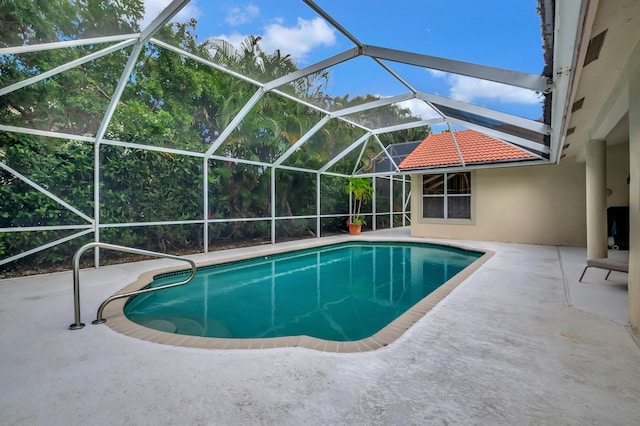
(618, 227)
(608, 264)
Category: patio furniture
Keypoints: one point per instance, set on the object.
(608, 264)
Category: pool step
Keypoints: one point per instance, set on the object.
(187, 326)
(160, 325)
(218, 329)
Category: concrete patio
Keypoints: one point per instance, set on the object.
(519, 342)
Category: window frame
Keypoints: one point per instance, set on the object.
(445, 196)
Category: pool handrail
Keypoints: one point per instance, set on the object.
(76, 279)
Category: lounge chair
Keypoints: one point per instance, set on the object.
(608, 264)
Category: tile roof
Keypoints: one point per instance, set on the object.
(475, 147)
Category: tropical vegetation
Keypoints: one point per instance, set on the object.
(172, 102)
(360, 190)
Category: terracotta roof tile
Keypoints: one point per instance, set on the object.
(475, 147)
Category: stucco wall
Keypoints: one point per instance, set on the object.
(634, 189)
(535, 205)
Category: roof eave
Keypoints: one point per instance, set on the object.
(470, 165)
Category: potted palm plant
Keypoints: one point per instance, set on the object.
(360, 191)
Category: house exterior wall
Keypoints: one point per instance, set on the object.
(634, 189)
(534, 205)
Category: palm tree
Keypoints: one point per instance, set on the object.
(361, 190)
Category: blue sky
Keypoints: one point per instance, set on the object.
(499, 33)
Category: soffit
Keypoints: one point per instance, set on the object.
(601, 81)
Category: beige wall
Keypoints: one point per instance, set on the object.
(634, 190)
(535, 204)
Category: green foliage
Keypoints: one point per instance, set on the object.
(62, 167)
(147, 186)
(42, 21)
(360, 190)
(169, 101)
(74, 101)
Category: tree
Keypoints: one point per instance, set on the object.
(169, 101)
(361, 190)
(82, 93)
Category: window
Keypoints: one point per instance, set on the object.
(446, 196)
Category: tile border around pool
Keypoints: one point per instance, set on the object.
(116, 320)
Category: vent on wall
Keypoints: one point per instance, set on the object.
(595, 46)
(577, 105)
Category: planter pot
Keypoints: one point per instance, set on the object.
(354, 229)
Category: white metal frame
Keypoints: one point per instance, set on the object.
(380, 55)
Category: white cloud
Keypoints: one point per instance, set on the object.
(470, 89)
(298, 40)
(235, 39)
(237, 16)
(153, 8)
(437, 73)
(419, 109)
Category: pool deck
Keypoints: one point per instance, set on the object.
(520, 341)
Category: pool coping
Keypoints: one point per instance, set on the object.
(117, 321)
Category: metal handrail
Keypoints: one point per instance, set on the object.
(76, 279)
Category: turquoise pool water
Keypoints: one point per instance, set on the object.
(341, 292)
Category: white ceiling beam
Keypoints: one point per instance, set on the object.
(204, 61)
(455, 143)
(169, 12)
(499, 75)
(319, 109)
(234, 123)
(372, 104)
(384, 150)
(333, 22)
(344, 152)
(295, 169)
(199, 155)
(152, 148)
(377, 174)
(302, 102)
(318, 66)
(302, 140)
(122, 83)
(434, 108)
(45, 228)
(44, 247)
(45, 192)
(410, 125)
(46, 133)
(334, 174)
(17, 50)
(355, 166)
(525, 123)
(397, 76)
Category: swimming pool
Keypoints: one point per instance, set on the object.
(345, 292)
